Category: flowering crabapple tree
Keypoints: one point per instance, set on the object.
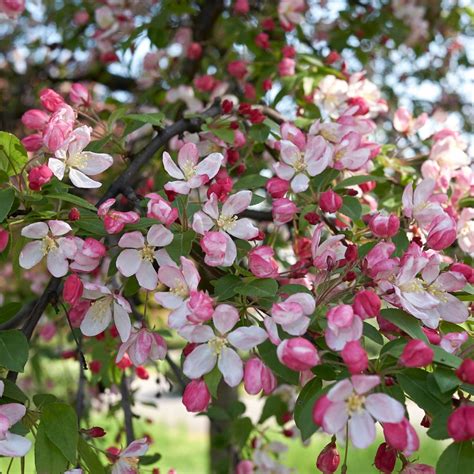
(218, 192)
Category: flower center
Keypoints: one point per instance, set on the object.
(189, 170)
(101, 305)
(355, 403)
(226, 222)
(217, 344)
(180, 289)
(414, 286)
(132, 462)
(299, 165)
(328, 135)
(437, 292)
(49, 244)
(78, 161)
(147, 253)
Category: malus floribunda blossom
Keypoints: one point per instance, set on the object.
(72, 289)
(383, 225)
(355, 357)
(465, 371)
(328, 459)
(79, 95)
(257, 377)
(343, 326)
(159, 208)
(35, 119)
(329, 201)
(51, 100)
(127, 460)
(38, 177)
(283, 210)
(142, 346)
(115, 221)
(196, 396)
(366, 304)
(262, 263)
(298, 354)
(385, 458)
(402, 436)
(461, 423)
(416, 354)
(292, 314)
(4, 238)
(404, 122)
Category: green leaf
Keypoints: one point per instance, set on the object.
(7, 196)
(61, 427)
(354, 180)
(446, 379)
(153, 118)
(291, 289)
(181, 245)
(443, 357)
(13, 156)
(241, 429)
(13, 392)
(259, 132)
(439, 426)
(131, 287)
(8, 311)
(48, 458)
(149, 459)
(351, 208)
(225, 134)
(42, 399)
(405, 322)
(225, 287)
(252, 181)
(212, 380)
(401, 242)
(274, 406)
(268, 354)
(13, 350)
(456, 458)
(90, 457)
(258, 288)
(304, 407)
(73, 199)
(372, 333)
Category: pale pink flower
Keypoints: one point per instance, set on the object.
(12, 8)
(298, 354)
(351, 153)
(283, 210)
(293, 134)
(219, 249)
(404, 122)
(115, 221)
(50, 243)
(262, 263)
(452, 341)
(292, 314)
(105, 307)
(80, 164)
(11, 445)
(217, 348)
(88, 256)
(140, 254)
(161, 209)
(327, 254)
(441, 232)
(127, 462)
(299, 167)
(290, 12)
(378, 263)
(349, 403)
(142, 346)
(189, 172)
(343, 326)
(448, 153)
(465, 229)
(59, 127)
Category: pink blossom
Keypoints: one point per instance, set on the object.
(105, 306)
(262, 263)
(127, 460)
(196, 396)
(246, 466)
(241, 6)
(217, 348)
(465, 372)
(190, 174)
(237, 68)
(79, 95)
(286, 67)
(442, 232)
(51, 100)
(404, 122)
(283, 210)
(4, 238)
(384, 225)
(465, 230)
(420, 204)
(35, 119)
(219, 249)
(72, 289)
(327, 254)
(290, 12)
(32, 142)
(355, 357)
(415, 468)
(88, 256)
(351, 153)
(377, 263)
(343, 326)
(142, 346)
(416, 354)
(402, 436)
(257, 377)
(350, 404)
(12, 8)
(293, 313)
(115, 221)
(385, 458)
(366, 304)
(329, 201)
(50, 243)
(298, 354)
(201, 307)
(328, 459)
(38, 177)
(461, 423)
(59, 127)
(140, 254)
(159, 208)
(452, 341)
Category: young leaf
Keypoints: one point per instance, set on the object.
(7, 196)
(13, 350)
(456, 458)
(304, 407)
(405, 322)
(13, 156)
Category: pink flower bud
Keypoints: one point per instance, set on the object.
(355, 357)
(402, 436)
(201, 306)
(48, 331)
(194, 51)
(35, 119)
(95, 432)
(319, 409)
(4, 238)
(277, 187)
(12, 8)
(238, 69)
(286, 67)
(328, 459)
(196, 396)
(385, 458)
(340, 317)
(32, 142)
(384, 226)
(283, 210)
(416, 354)
(214, 245)
(262, 40)
(367, 304)
(78, 311)
(465, 371)
(73, 289)
(267, 85)
(329, 201)
(74, 214)
(298, 354)
(51, 100)
(461, 423)
(257, 377)
(142, 373)
(442, 232)
(466, 270)
(159, 208)
(418, 469)
(79, 95)
(244, 467)
(432, 335)
(38, 177)
(81, 17)
(261, 262)
(241, 6)
(205, 83)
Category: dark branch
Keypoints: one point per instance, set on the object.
(127, 409)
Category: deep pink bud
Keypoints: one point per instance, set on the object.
(241, 6)
(267, 84)
(416, 354)
(355, 357)
(328, 459)
(51, 100)
(4, 238)
(442, 232)
(465, 270)
(329, 201)
(367, 304)
(465, 371)
(194, 51)
(244, 467)
(418, 469)
(201, 306)
(298, 354)
(340, 317)
(78, 311)
(288, 51)
(196, 396)
(384, 226)
(286, 67)
(262, 40)
(461, 423)
(95, 432)
(257, 377)
(319, 409)
(38, 177)
(32, 142)
(360, 103)
(79, 95)
(73, 289)
(74, 214)
(237, 68)
(261, 262)
(283, 210)
(432, 335)
(35, 119)
(402, 436)
(277, 187)
(312, 217)
(385, 458)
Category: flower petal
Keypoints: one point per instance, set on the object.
(364, 383)
(58, 167)
(171, 167)
(96, 162)
(340, 391)
(335, 417)
(38, 230)
(384, 408)
(14, 445)
(97, 319)
(132, 240)
(31, 254)
(231, 367)
(122, 321)
(128, 262)
(201, 361)
(243, 229)
(80, 180)
(147, 276)
(300, 183)
(188, 156)
(159, 236)
(246, 338)
(210, 165)
(237, 203)
(225, 318)
(57, 263)
(362, 429)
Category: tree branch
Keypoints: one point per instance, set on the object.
(127, 409)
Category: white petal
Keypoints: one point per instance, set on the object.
(57, 263)
(80, 180)
(361, 430)
(364, 383)
(147, 276)
(283, 171)
(14, 445)
(201, 361)
(246, 338)
(384, 408)
(122, 321)
(31, 254)
(170, 167)
(38, 230)
(168, 300)
(300, 183)
(196, 333)
(96, 163)
(128, 262)
(289, 153)
(202, 222)
(340, 391)
(96, 319)
(231, 367)
(335, 417)
(210, 165)
(225, 318)
(58, 167)
(159, 235)
(244, 229)
(237, 203)
(59, 228)
(132, 240)
(180, 187)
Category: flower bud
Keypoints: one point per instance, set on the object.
(124, 362)
(196, 396)
(461, 423)
(298, 354)
(257, 377)
(241, 6)
(237, 68)
(286, 67)
(95, 432)
(319, 409)
(416, 354)
(402, 436)
(418, 469)
(261, 262)
(465, 371)
(442, 232)
(329, 201)
(267, 85)
(39, 176)
(312, 218)
(73, 289)
(4, 238)
(95, 366)
(385, 458)
(355, 357)
(328, 459)
(35, 119)
(201, 306)
(283, 210)
(466, 270)
(74, 214)
(50, 100)
(244, 467)
(367, 304)
(79, 95)
(340, 317)
(432, 335)
(277, 187)
(384, 226)
(32, 142)
(142, 373)
(194, 51)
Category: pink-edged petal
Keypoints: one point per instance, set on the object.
(272, 330)
(126, 348)
(196, 333)
(132, 240)
(58, 167)
(361, 429)
(188, 156)
(211, 207)
(306, 301)
(146, 276)
(298, 327)
(38, 230)
(159, 236)
(230, 252)
(96, 319)
(122, 322)
(96, 163)
(335, 417)
(289, 152)
(423, 192)
(128, 262)
(318, 156)
(201, 361)
(202, 222)
(340, 391)
(163, 258)
(237, 203)
(31, 254)
(384, 408)
(136, 448)
(14, 412)
(57, 263)
(225, 317)
(283, 171)
(59, 228)
(231, 367)
(243, 229)
(14, 445)
(179, 317)
(190, 273)
(172, 277)
(168, 300)
(246, 338)
(171, 167)
(80, 180)
(364, 383)
(300, 183)
(180, 187)
(210, 165)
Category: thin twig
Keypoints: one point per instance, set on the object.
(127, 409)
